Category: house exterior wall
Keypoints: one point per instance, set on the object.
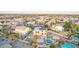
(42, 33)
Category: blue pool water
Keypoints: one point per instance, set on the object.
(67, 45)
(2, 40)
(48, 42)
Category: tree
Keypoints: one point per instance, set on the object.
(52, 23)
(32, 26)
(52, 46)
(35, 44)
(78, 43)
(14, 35)
(36, 36)
(61, 41)
(46, 26)
(2, 22)
(77, 27)
(68, 25)
(31, 42)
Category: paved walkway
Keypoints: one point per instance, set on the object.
(60, 34)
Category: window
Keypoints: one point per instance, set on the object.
(37, 31)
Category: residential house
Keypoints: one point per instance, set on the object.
(75, 21)
(41, 31)
(22, 30)
(57, 27)
(18, 19)
(64, 19)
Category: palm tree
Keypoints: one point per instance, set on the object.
(14, 36)
(2, 22)
(36, 36)
(35, 44)
(77, 27)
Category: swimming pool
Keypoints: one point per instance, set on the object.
(68, 45)
(2, 41)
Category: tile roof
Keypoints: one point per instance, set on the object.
(22, 28)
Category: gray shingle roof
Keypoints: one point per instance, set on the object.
(39, 28)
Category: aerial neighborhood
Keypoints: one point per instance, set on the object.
(39, 31)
